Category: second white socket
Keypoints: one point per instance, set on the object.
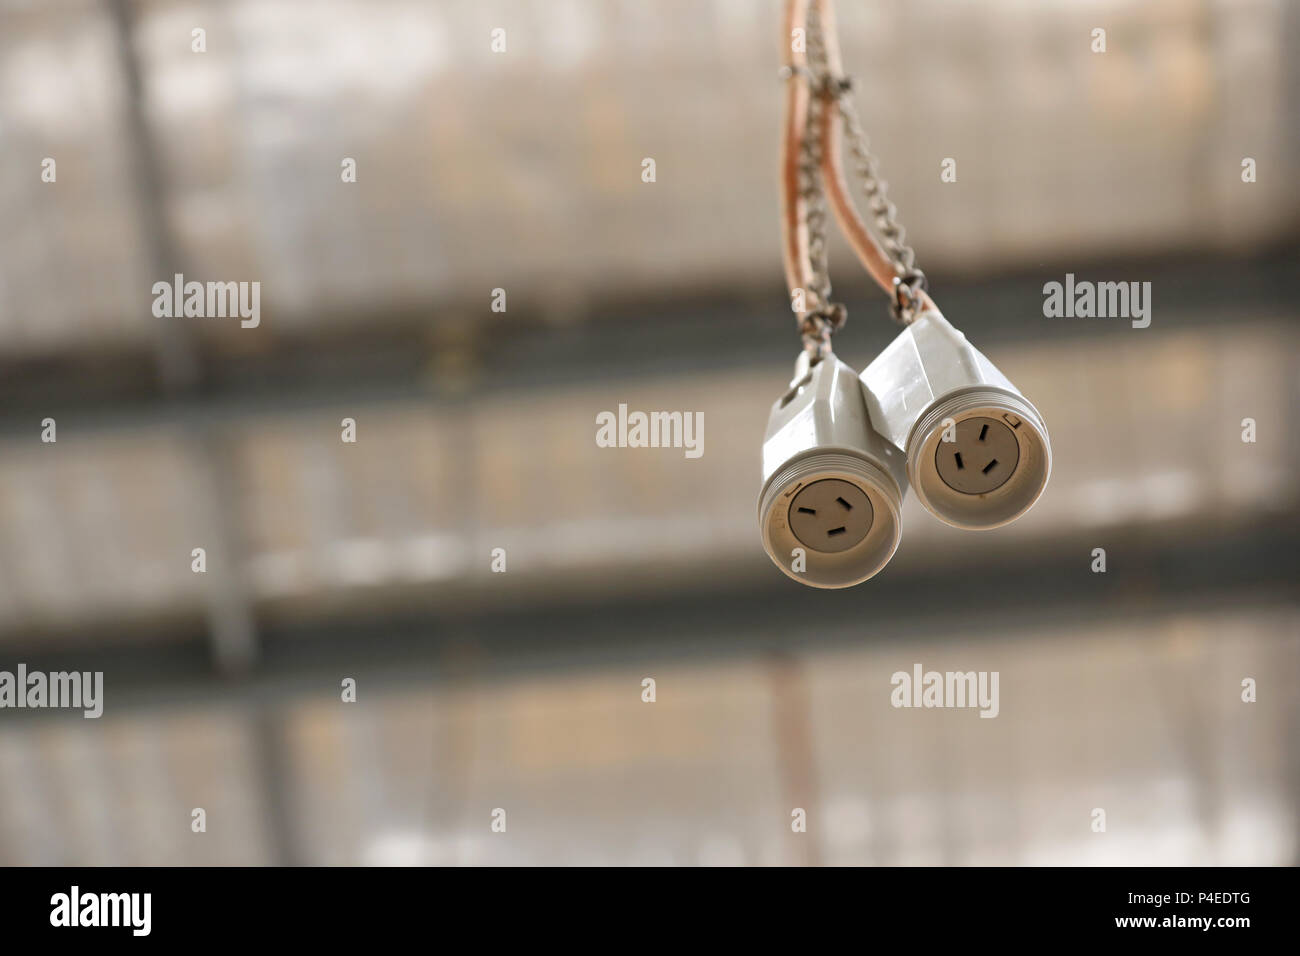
(978, 454)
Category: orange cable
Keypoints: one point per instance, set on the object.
(863, 243)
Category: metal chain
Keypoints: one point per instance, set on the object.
(822, 317)
(909, 281)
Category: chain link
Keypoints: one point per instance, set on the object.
(910, 281)
(822, 317)
(892, 233)
(825, 317)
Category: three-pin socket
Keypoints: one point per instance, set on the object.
(829, 509)
(978, 454)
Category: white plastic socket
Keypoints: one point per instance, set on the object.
(978, 455)
(829, 509)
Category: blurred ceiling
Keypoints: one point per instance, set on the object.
(522, 170)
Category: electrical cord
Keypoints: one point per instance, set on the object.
(794, 230)
(819, 112)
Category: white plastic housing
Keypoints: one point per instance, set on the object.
(820, 430)
(921, 388)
